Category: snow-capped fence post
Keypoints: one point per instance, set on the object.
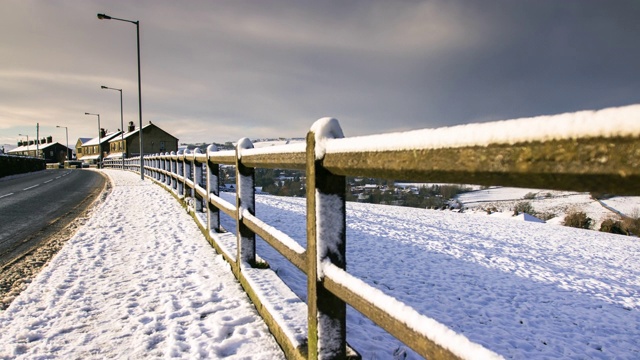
(180, 164)
(155, 166)
(197, 181)
(326, 243)
(166, 166)
(158, 167)
(188, 172)
(213, 181)
(174, 171)
(245, 201)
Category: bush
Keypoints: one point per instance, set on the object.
(632, 223)
(547, 215)
(524, 207)
(613, 226)
(578, 219)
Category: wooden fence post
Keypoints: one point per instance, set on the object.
(197, 181)
(174, 172)
(326, 242)
(180, 165)
(245, 200)
(213, 188)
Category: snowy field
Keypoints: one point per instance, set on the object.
(557, 203)
(523, 290)
(146, 283)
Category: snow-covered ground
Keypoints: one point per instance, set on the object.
(524, 290)
(556, 203)
(138, 280)
(141, 282)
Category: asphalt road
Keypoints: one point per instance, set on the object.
(35, 205)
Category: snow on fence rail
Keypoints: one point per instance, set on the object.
(584, 151)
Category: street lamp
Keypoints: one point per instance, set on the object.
(27, 143)
(137, 23)
(121, 123)
(99, 140)
(66, 131)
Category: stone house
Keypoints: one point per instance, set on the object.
(155, 141)
(79, 150)
(91, 151)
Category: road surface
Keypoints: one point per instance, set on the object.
(34, 206)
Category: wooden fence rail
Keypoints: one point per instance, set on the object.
(586, 151)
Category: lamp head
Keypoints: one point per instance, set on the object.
(103, 87)
(104, 17)
(87, 113)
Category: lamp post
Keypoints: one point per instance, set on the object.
(66, 131)
(99, 140)
(121, 123)
(28, 149)
(137, 24)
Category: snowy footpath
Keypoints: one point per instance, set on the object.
(138, 280)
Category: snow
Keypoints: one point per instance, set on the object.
(324, 129)
(610, 122)
(243, 144)
(138, 284)
(329, 229)
(502, 200)
(523, 290)
(145, 283)
(627, 205)
(456, 343)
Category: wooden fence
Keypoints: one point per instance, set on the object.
(585, 151)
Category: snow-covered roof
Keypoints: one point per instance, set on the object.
(84, 140)
(134, 132)
(103, 139)
(33, 147)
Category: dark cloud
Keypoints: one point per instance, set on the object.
(225, 69)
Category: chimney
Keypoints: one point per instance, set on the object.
(43, 141)
(102, 133)
(131, 126)
(49, 139)
(19, 142)
(31, 142)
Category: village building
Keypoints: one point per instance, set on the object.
(79, 143)
(155, 140)
(116, 144)
(52, 152)
(92, 151)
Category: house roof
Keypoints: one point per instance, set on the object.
(134, 132)
(83, 140)
(103, 139)
(33, 147)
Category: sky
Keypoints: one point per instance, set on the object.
(216, 71)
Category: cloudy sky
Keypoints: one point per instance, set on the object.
(222, 70)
